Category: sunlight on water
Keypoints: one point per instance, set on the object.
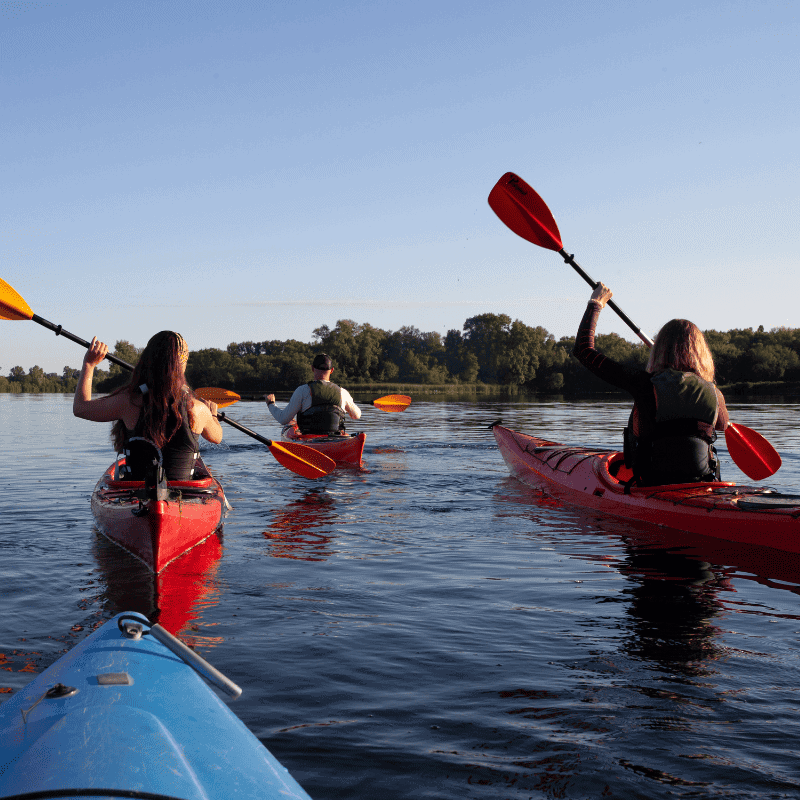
(428, 626)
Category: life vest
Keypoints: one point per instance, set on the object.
(676, 446)
(179, 453)
(326, 414)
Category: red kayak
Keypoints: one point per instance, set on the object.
(342, 448)
(158, 531)
(596, 479)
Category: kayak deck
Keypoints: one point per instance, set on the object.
(344, 449)
(158, 531)
(596, 479)
(138, 722)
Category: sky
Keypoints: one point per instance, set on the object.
(255, 170)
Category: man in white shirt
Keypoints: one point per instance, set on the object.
(319, 405)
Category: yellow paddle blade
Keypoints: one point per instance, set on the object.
(12, 306)
(392, 402)
(222, 397)
(303, 460)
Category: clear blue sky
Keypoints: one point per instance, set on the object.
(253, 170)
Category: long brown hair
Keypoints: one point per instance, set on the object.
(680, 345)
(160, 370)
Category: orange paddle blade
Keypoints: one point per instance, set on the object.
(753, 454)
(222, 397)
(12, 306)
(392, 402)
(305, 461)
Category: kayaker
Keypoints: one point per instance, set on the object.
(319, 405)
(677, 407)
(156, 405)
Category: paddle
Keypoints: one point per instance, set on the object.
(392, 402)
(524, 211)
(298, 458)
(222, 397)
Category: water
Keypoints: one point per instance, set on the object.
(429, 627)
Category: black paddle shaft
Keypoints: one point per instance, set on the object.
(594, 284)
(59, 331)
(239, 427)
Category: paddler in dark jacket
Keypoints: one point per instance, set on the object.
(319, 405)
(677, 407)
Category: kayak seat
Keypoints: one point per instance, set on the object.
(618, 470)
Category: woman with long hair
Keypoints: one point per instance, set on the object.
(155, 409)
(677, 407)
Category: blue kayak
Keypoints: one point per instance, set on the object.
(126, 714)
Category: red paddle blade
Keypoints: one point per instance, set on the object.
(519, 207)
(392, 402)
(753, 454)
(303, 460)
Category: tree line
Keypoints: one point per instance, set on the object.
(490, 350)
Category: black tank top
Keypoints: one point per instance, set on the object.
(179, 453)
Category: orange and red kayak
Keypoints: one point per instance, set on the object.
(596, 479)
(158, 531)
(342, 448)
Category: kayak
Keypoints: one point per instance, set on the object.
(596, 479)
(342, 448)
(176, 597)
(126, 714)
(159, 528)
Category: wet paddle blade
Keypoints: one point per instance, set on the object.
(522, 210)
(392, 402)
(751, 452)
(12, 306)
(302, 460)
(222, 397)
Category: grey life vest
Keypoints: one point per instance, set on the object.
(675, 446)
(326, 415)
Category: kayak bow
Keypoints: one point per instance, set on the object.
(126, 714)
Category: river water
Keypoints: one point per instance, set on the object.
(428, 627)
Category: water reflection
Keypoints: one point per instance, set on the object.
(302, 529)
(675, 579)
(176, 598)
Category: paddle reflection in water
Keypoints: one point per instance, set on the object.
(302, 529)
(176, 597)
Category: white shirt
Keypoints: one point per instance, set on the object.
(301, 401)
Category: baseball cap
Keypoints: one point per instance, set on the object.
(322, 361)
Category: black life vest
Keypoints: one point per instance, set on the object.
(676, 446)
(326, 415)
(179, 453)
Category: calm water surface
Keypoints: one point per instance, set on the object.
(428, 627)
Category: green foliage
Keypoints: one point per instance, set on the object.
(490, 350)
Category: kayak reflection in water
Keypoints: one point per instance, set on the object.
(677, 407)
(319, 405)
(156, 407)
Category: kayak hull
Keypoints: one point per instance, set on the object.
(158, 531)
(344, 450)
(142, 723)
(595, 479)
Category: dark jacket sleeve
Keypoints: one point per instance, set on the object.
(630, 379)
